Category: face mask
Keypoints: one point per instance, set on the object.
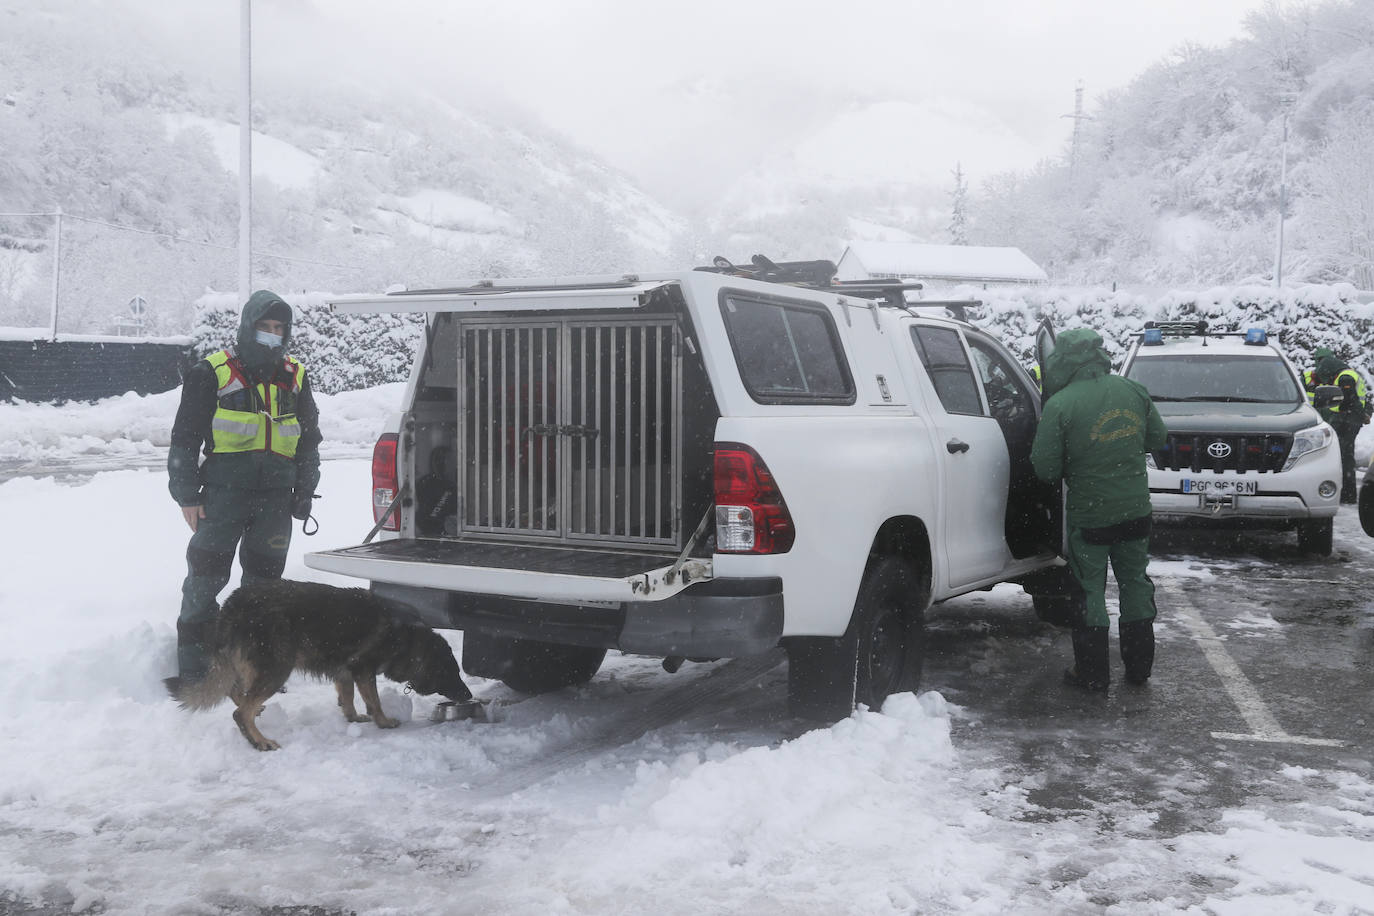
(267, 340)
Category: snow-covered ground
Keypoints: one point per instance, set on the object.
(113, 800)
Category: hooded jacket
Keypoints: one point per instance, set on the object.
(1094, 433)
(1332, 370)
(191, 431)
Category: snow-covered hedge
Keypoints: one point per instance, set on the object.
(347, 352)
(1308, 316)
(342, 352)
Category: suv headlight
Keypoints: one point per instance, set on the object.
(1150, 461)
(1307, 441)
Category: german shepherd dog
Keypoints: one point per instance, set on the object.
(266, 630)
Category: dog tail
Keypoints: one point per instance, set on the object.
(202, 693)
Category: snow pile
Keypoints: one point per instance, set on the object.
(114, 800)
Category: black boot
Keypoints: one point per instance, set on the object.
(1138, 650)
(1091, 663)
(192, 657)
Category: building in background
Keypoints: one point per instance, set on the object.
(938, 267)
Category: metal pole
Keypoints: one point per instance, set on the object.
(56, 266)
(1283, 200)
(246, 151)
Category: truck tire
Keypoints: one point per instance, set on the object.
(1057, 597)
(1315, 537)
(1367, 506)
(880, 654)
(528, 665)
(1068, 610)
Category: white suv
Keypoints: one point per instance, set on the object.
(1243, 443)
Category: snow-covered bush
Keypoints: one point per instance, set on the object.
(1308, 316)
(348, 352)
(342, 352)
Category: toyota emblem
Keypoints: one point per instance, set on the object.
(1218, 449)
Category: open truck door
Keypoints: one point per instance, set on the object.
(1044, 346)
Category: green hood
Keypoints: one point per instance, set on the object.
(1320, 353)
(253, 354)
(1328, 367)
(1078, 355)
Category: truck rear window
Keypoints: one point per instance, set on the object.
(787, 352)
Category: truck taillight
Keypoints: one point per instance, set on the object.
(384, 484)
(751, 515)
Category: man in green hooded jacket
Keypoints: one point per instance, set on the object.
(251, 410)
(1093, 434)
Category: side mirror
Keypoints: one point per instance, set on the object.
(1326, 395)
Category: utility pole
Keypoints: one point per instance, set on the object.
(56, 266)
(1283, 202)
(1078, 118)
(246, 150)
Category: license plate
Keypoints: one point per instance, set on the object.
(1221, 486)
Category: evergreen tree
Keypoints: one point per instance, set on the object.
(958, 199)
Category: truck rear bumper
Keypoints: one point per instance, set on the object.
(718, 618)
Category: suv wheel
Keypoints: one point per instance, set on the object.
(1367, 505)
(528, 665)
(880, 654)
(1315, 537)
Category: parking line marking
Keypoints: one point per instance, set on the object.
(1263, 725)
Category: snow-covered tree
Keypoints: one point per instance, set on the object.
(958, 208)
(1338, 209)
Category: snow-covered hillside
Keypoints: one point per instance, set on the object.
(356, 186)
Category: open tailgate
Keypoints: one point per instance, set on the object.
(555, 574)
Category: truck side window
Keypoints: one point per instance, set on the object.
(1007, 397)
(947, 364)
(787, 352)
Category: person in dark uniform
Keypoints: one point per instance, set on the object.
(1094, 433)
(1347, 417)
(250, 409)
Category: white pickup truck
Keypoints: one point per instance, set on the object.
(703, 464)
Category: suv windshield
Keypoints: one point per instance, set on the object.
(1253, 379)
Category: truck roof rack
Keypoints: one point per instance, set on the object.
(956, 307)
(812, 275)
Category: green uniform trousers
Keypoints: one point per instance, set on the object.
(1129, 560)
(255, 522)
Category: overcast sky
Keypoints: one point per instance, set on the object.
(686, 94)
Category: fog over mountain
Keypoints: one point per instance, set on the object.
(367, 176)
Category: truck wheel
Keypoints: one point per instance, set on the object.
(1367, 506)
(528, 665)
(1315, 537)
(1057, 596)
(880, 654)
(1061, 610)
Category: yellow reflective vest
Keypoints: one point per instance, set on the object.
(1309, 382)
(255, 417)
(1359, 390)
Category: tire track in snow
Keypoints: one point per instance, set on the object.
(666, 707)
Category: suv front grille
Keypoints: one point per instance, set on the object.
(1198, 452)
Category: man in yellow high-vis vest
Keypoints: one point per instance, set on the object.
(1347, 417)
(250, 410)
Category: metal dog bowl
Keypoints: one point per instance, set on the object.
(453, 711)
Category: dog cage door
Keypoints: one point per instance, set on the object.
(570, 430)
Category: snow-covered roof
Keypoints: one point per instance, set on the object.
(962, 262)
